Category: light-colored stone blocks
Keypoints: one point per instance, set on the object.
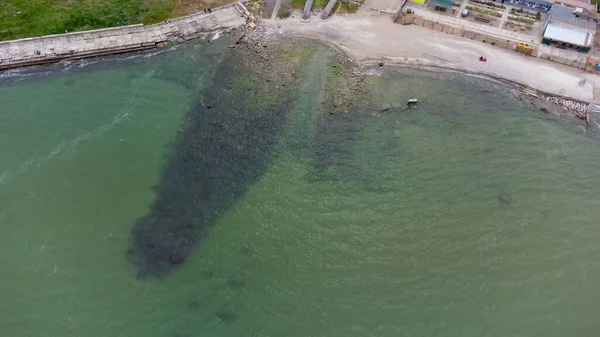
(559, 59)
(480, 38)
(458, 31)
(469, 34)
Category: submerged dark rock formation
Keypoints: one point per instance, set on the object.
(337, 126)
(193, 305)
(225, 315)
(219, 153)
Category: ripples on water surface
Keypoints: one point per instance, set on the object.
(468, 216)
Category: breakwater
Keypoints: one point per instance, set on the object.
(55, 48)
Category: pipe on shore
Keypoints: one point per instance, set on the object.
(307, 9)
(328, 9)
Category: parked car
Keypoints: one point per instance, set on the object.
(465, 13)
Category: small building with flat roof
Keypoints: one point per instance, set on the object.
(570, 27)
(442, 4)
(533, 5)
(585, 4)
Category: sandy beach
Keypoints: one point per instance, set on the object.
(369, 35)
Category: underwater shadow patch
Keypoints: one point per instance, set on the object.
(226, 143)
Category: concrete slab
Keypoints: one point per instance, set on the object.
(438, 27)
(559, 59)
(428, 24)
(569, 62)
(448, 29)
(383, 5)
(458, 31)
(480, 38)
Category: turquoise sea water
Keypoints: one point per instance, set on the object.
(471, 215)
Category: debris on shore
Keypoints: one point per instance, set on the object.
(558, 106)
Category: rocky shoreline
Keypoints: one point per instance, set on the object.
(261, 52)
(345, 75)
(348, 76)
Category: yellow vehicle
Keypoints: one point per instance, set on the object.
(524, 48)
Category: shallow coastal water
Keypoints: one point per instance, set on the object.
(471, 215)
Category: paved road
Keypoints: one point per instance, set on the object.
(504, 17)
(475, 27)
(462, 7)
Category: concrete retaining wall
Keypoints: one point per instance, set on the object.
(578, 62)
(54, 48)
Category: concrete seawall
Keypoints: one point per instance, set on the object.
(55, 48)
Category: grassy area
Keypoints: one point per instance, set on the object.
(27, 18)
(341, 7)
(349, 7)
(525, 14)
(284, 13)
(523, 20)
(299, 4)
(480, 10)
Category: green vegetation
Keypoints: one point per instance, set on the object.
(525, 15)
(27, 18)
(349, 7)
(336, 7)
(284, 13)
(523, 20)
(480, 10)
(345, 7)
(488, 3)
(299, 4)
